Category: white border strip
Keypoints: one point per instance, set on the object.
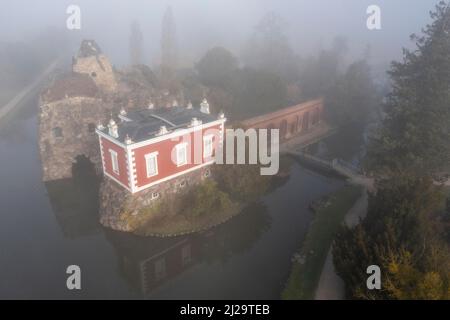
(130, 170)
(116, 180)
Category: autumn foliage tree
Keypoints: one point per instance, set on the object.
(405, 233)
(416, 131)
(399, 235)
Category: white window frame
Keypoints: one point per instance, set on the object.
(151, 157)
(208, 139)
(178, 147)
(155, 195)
(114, 161)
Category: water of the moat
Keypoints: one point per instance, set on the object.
(46, 227)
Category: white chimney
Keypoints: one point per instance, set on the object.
(100, 126)
(113, 129)
(195, 122)
(204, 106)
(128, 140)
(162, 130)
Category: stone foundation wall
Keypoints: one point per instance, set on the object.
(72, 106)
(116, 200)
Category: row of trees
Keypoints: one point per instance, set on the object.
(406, 231)
(270, 75)
(168, 42)
(273, 76)
(240, 92)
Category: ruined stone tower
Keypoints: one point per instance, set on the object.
(92, 62)
(70, 110)
(74, 104)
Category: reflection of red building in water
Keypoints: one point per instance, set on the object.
(169, 262)
(149, 262)
(150, 146)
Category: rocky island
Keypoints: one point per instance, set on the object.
(128, 125)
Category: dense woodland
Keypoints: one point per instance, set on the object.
(407, 228)
(267, 75)
(271, 75)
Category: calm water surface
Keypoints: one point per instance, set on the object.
(46, 227)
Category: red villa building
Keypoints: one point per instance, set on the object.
(150, 146)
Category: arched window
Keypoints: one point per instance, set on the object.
(292, 128)
(57, 132)
(315, 116)
(155, 195)
(305, 122)
(283, 129)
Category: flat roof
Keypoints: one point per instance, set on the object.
(144, 124)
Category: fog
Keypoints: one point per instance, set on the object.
(202, 24)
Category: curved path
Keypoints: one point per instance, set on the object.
(331, 286)
(4, 110)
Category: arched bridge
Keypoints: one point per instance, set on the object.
(300, 125)
(291, 121)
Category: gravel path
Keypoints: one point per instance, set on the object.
(4, 110)
(331, 286)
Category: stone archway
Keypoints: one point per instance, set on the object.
(316, 117)
(83, 168)
(67, 130)
(283, 129)
(75, 200)
(305, 121)
(292, 127)
(269, 130)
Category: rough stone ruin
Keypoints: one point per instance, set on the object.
(91, 92)
(70, 110)
(75, 103)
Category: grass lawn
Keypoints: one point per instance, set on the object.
(305, 274)
(180, 224)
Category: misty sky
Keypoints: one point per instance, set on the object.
(202, 24)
